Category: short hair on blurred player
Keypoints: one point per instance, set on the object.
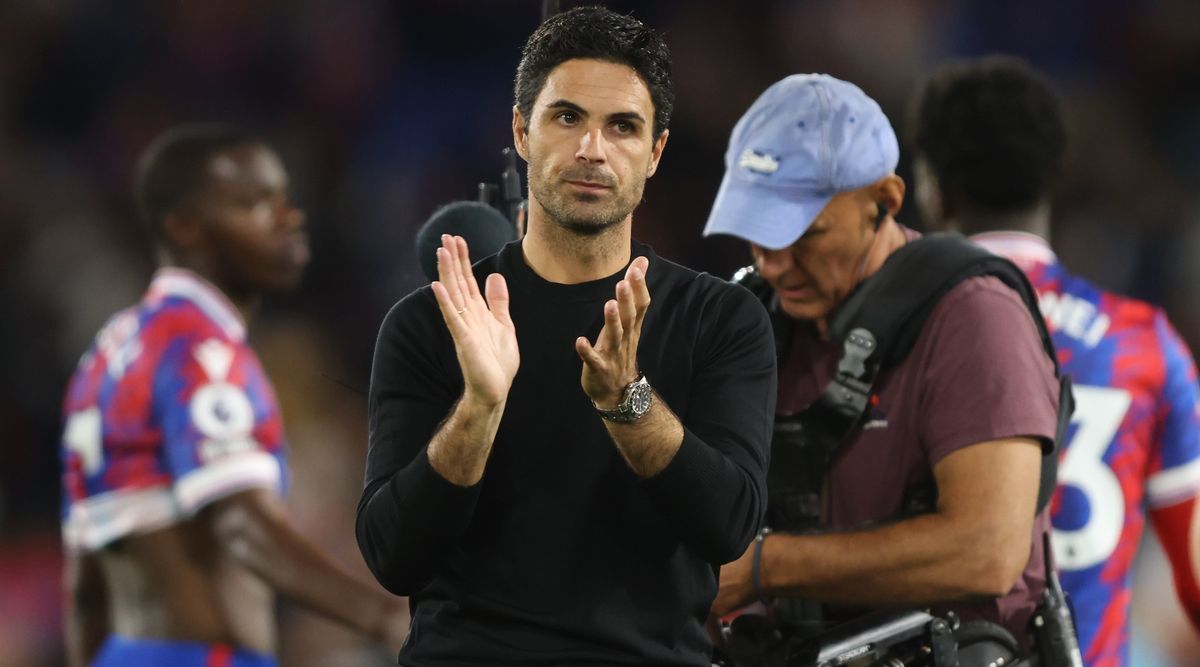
(174, 167)
(992, 130)
(600, 34)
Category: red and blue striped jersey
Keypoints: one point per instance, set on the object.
(167, 411)
(1134, 441)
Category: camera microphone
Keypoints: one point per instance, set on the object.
(484, 228)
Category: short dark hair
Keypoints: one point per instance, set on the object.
(601, 34)
(992, 129)
(174, 167)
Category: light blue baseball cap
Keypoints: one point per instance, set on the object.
(804, 140)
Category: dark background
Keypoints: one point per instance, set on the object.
(384, 110)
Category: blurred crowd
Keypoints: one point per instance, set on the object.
(384, 110)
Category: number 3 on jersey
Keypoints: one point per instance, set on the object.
(1099, 412)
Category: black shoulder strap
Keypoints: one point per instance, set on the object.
(903, 292)
(894, 303)
(880, 321)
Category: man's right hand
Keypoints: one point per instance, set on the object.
(484, 336)
(485, 341)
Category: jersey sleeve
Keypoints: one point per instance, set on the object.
(221, 428)
(1174, 469)
(1173, 477)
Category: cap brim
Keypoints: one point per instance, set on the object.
(769, 217)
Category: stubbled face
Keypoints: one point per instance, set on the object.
(816, 273)
(252, 232)
(588, 144)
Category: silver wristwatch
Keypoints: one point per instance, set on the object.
(635, 402)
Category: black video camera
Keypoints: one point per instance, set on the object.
(895, 639)
(913, 638)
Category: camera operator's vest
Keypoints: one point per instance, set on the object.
(876, 327)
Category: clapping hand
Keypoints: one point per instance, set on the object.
(611, 364)
(484, 336)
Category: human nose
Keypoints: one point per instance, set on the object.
(591, 146)
(289, 216)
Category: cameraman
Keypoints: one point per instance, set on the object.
(967, 414)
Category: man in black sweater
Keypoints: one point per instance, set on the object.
(558, 466)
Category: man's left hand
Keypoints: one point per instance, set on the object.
(611, 364)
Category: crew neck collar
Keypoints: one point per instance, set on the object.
(1023, 248)
(511, 261)
(171, 281)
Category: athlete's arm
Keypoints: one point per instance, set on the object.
(975, 545)
(1172, 492)
(253, 527)
(1178, 529)
(87, 622)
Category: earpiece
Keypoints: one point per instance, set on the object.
(883, 212)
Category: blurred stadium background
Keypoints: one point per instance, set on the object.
(383, 110)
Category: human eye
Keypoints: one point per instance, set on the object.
(261, 201)
(263, 206)
(567, 117)
(625, 127)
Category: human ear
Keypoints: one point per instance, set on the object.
(889, 192)
(180, 231)
(656, 152)
(520, 134)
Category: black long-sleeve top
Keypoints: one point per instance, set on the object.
(560, 554)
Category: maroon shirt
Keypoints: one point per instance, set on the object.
(977, 372)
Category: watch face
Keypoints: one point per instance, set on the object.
(639, 398)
